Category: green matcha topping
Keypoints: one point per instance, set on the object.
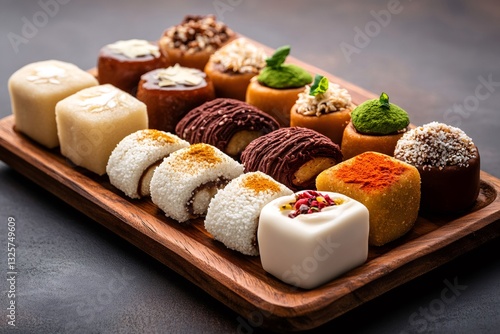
(279, 75)
(319, 86)
(379, 117)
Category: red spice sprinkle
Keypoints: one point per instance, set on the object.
(308, 202)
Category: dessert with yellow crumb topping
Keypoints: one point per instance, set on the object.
(185, 182)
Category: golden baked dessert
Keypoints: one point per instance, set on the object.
(228, 124)
(292, 156)
(122, 63)
(91, 122)
(233, 65)
(277, 87)
(323, 107)
(388, 187)
(194, 40)
(171, 92)
(35, 90)
(449, 166)
(376, 125)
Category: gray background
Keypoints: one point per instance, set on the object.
(429, 57)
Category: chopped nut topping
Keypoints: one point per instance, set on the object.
(135, 48)
(240, 56)
(47, 74)
(435, 145)
(103, 98)
(178, 75)
(334, 99)
(197, 33)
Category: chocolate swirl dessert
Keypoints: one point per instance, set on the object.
(293, 156)
(228, 124)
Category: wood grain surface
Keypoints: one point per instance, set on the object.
(237, 280)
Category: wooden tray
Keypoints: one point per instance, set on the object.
(237, 280)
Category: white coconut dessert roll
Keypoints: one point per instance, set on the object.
(186, 181)
(133, 161)
(233, 214)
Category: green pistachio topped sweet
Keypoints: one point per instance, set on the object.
(279, 75)
(379, 117)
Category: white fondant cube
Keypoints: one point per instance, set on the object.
(312, 249)
(35, 90)
(93, 121)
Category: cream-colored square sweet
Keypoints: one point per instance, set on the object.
(34, 91)
(91, 122)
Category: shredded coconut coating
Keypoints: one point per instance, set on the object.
(435, 145)
(240, 56)
(334, 99)
(135, 153)
(233, 214)
(178, 177)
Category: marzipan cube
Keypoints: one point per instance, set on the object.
(34, 91)
(388, 187)
(93, 121)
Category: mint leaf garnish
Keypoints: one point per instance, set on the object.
(319, 86)
(384, 100)
(278, 57)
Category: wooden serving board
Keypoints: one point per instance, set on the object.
(237, 280)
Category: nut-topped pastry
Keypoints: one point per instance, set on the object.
(122, 63)
(228, 124)
(376, 125)
(232, 66)
(324, 107)
(194, 40)
(171, 92)
(35, 90)
(277, 87)
(448, 163)
(293, 156)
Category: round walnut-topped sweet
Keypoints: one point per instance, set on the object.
(193, 41)
(449, 166)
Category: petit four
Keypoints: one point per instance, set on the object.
(185, 182)
(91, 122)
(122, 63)
(376, 125)
(388, 187)
(228, 124)
(133, 161)
(293, 156)
(277, 87)
(324, 107)
(232, 66)
(171, 92)
(309, 238)
(233, 214)
(449, 166)
(194, 40)
(35, 90)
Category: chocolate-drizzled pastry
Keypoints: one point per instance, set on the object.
(293, 156)
(228, 124)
